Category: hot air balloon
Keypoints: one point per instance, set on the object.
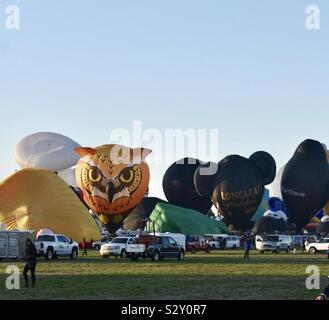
(272, 222)
(275, 190)
(305, 182)
(263, 207)
(138, 217)
(169, 218)
(323, 227)
(49, 151)
(113, 180)
(179, 188)
(238, 186)
(34, 199)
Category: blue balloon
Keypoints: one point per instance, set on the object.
(320, 214)
(276, 204)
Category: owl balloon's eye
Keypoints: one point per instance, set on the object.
(127, 176)
(95, 176)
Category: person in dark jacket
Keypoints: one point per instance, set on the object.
(247, 248)
(31, 262)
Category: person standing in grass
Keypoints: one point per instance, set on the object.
(31, 262)
(84, 247)
(247, 248)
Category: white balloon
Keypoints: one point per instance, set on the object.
(46, 150)
(275, 190)
(276, 215)
(68, 175)
(325, 219)
(45, 231)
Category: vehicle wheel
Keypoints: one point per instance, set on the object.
(213, 247)
(288, 250)
(262, 252)
(181, 255)
(49, 254)
(193, 251)
(312, 250)
(74, 254)
(97, 247)
(123, 254)
(156, 256)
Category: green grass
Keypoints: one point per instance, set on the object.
(219, 275)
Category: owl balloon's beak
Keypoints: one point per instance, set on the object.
(111, 191)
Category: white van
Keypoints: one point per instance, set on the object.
(216, 241)
(274, 243)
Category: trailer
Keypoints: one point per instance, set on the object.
(13, 243)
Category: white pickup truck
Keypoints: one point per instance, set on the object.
(55, 245)
(117, 247)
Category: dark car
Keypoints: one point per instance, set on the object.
(165, 247)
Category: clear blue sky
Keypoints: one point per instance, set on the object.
(248, 68)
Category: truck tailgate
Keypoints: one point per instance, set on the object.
(135, 248)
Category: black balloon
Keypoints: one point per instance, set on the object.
(305, 183)
(138, 217)
(271, 225)
(178, 186)
(237, 187)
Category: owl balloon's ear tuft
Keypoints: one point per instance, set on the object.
(138, 155)
(82, 152)
(266, 164)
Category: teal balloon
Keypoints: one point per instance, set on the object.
(169, 218)
(263, 207)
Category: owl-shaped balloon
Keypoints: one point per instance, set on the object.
(113, 179)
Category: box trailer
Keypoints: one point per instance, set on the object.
(13, 243)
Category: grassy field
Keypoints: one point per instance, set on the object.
(219, 275)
